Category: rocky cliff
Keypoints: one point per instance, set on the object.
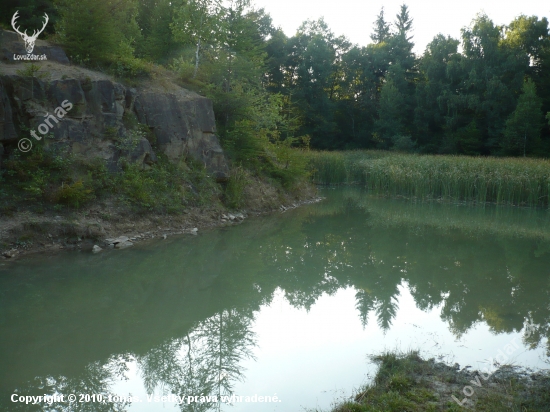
(90, 114)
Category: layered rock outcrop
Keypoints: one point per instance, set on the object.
(99, 115)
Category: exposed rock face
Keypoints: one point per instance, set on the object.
(7, 128)
(90, 117)
(183, 126)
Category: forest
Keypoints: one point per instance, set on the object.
(484, 93)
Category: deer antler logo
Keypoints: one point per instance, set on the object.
(29, 40)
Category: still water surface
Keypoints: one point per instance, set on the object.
(286, 306)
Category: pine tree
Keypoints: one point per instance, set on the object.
(403, 23)
(381, 29)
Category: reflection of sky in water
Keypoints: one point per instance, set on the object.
(472, 272)
(313, 358)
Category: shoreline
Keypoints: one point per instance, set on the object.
(30, 234)
(406, 381)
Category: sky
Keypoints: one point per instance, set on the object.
(354, 18)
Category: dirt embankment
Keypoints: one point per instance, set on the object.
(102, 224)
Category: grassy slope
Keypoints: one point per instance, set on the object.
(406, 382)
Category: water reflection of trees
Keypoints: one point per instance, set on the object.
(478, 272)
(188, 326)
(96, 378)
(206, 361)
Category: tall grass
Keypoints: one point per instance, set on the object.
(517, 181)
(334, 168)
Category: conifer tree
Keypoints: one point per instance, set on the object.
(381, 29)
(403, 23)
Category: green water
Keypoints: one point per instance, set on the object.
(286, 306)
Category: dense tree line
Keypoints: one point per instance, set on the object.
(485, 93)
(488, 98)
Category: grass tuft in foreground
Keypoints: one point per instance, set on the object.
(406, 382)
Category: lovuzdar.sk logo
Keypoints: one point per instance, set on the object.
(29, 40)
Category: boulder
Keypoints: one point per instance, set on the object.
(124, 245)
(116, 240)
(11, 253)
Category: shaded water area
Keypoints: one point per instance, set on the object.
(286, 306)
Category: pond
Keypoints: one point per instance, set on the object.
(278, 313)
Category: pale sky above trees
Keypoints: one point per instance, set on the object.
(354, 18)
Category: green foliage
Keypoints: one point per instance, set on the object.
(342, 96)
(51, 179)
(467, 140)
(264, 152)
(31, 15)
(270, 90)
(184, 68)
(165, 187)
(73, 195)
(243, 144)
(334, 168)
(31, 70)
(195, 23)
(234, 189)
(35, 176)
(98, 31)
(402, 144)
(156, 44)
(228, 44)
(289, 165)
(390, 109)
(499, 180)
(523, 126)
(406, 382)
(130, 68)
(130, 141)
(381, 28)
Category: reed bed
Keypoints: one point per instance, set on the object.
(515, 181)
(335, 168)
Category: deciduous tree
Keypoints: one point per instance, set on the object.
(524, 124)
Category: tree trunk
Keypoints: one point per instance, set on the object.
(197, 58)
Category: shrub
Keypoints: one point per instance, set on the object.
(234, 189)
(74, 195)
(403, 144)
